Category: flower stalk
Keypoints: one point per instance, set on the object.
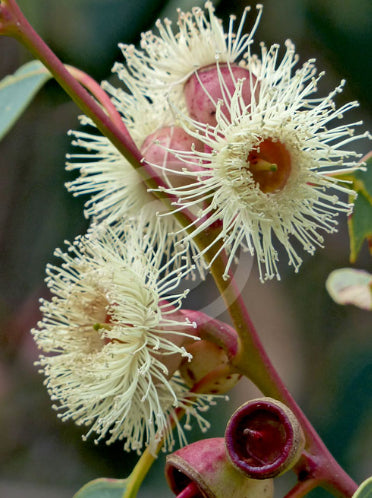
(140, 471)
(302, 489)
(13, 23)
(317, 465)
(96, 90)
(148, 457)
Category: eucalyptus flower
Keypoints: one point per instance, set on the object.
(267, 170)
(117, 191)
(112, 340)
(167, 59)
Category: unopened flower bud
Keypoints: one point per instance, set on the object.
(212, 83)
(160, 148)
(210, 367)
(263, 438)
(202, 469)
(209, 370)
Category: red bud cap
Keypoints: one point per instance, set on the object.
(203, 470)
(263, 438)
(213, 83)
(157, 147)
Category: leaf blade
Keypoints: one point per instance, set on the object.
(364, 490)
(360, 225)
(102, 488)
(17, 90)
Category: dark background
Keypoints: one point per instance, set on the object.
(322, 350)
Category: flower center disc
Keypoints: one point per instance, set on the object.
(270, 165)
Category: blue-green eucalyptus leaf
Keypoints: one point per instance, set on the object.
(364, 490)
(17, 90)
(360, 222)
(102, 488)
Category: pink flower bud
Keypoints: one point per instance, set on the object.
(156, 150)
(263, 438)
(212, 83)
(202, 469)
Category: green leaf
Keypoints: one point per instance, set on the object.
(17, 91)
(362, 180)
(360, 225)
(102, 488)
(360, 222)
(364, 490)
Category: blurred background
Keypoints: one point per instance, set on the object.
(322, 350)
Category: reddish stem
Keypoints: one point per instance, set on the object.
(97, 91)
(13, 23)
(317, 463)
(302, 488)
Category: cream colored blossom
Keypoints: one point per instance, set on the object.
(117, 191)
(109, 334)
(166, 60)
(267, 164)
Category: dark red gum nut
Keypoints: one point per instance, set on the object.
(203, 470)
(263, 438)
(192, 462)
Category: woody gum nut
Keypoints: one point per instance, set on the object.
(155, 151)
(206, 359)
(263, 438)
(220, 83)
(206, 464)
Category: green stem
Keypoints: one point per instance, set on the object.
(139, 473)
(147, 459)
